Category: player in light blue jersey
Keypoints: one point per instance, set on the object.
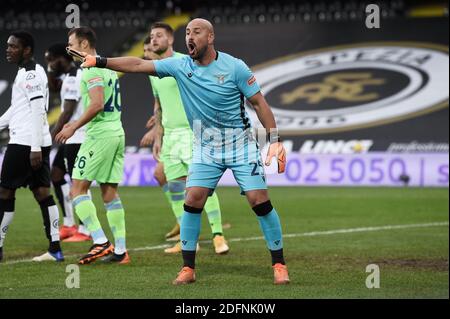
(213, 85)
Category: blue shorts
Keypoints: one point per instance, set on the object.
(210, 163)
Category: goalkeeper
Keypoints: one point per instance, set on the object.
(175, 135)
(212, 86)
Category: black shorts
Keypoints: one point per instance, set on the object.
(17, 171)
(58, 161)
(70, 155)
(65, 157)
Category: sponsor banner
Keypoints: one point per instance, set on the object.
(370, 169)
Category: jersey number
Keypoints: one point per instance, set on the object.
(109, 106)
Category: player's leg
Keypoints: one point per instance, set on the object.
(116, 219)
(109, 176)
(175, 173)
(7, 208)
(87, 212)
(62, 190)
(251, 179)
(202, 181)
(270, 225)
(212, 208)
(93, 155)
(160, 177)
(177, 189)
(212, 205)
(40, 186)
(12, 177)
(176, 169)
(50, 216)
(70, 155)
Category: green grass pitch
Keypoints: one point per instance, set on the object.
(413, 261)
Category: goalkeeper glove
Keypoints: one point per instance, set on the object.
(276, 149)
(89, 61)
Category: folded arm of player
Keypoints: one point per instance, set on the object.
(265, 116)
(122, 64)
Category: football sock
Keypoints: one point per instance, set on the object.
(6, 217)
(269, 223)
(85, 209)
(50, 215)
(189, 232)
(177, 189)
(165, 189)
(62, 190)
(212, 208)
(116, 220)
(81, 228)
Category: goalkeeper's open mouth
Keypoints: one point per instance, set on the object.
(192, 49)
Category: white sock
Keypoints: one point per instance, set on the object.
(53, 215)
(83, 230)
(68, 219)
(7, 219)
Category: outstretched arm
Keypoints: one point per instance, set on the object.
(123, 64)
(131, 65)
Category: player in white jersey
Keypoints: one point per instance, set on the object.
(26, 161)
(61, 67)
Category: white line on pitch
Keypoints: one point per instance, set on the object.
(309, 234)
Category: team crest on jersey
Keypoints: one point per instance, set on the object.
(220, 78)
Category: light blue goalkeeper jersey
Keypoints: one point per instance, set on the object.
(213, 94)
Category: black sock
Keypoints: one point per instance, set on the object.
(59, 194)
(277, 257)
(50, 211)
(188, 258)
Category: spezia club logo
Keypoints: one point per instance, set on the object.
(357, 86)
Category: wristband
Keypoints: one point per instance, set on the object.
(100, 62)
(273, 137)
